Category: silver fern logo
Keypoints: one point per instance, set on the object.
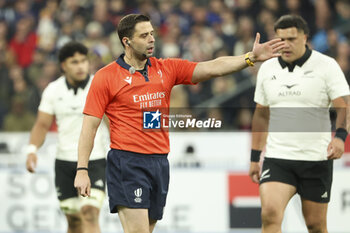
(138, 194)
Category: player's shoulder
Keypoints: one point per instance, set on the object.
(59, 83)
(323, 63)
(270, 64)
(318, 57)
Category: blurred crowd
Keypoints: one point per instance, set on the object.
(32, 31)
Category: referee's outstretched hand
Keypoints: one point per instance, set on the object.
(267, 50)
(335, 148)
(82, 183)
(254, 172)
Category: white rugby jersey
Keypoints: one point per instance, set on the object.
(299, 98)
(59, 99)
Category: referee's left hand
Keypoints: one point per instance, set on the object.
(335, 148)
(82, 183)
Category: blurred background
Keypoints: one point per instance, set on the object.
(31, 33)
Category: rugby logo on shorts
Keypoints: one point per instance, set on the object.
(151, 120)
(265, 174)
(138, 194)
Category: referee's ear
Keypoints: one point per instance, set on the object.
(126, 42)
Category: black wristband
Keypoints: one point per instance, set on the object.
(255, 155)
(82, 168)
(341, 133)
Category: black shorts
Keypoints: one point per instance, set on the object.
(137, 180)
(312, 179)
(65, 174)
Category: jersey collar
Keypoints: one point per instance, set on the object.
(299, 62)
(81, 84)
(126, 66)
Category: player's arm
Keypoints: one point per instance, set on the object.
(336, 146)
(86, 143)
(229, 64)
(260, 124)
(37, 137)
(342, 107)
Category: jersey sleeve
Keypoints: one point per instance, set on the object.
(98, 96)
(46, 102)
(337, 85)
(181, 70)
(259, 94)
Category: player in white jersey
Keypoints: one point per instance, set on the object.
(64, 99)
(293, 96)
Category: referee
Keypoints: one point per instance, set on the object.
(137, 164)
(293, 96)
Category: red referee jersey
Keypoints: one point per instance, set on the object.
(124, 96)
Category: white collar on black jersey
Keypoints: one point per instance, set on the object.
(299, 62)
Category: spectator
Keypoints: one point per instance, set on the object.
(24, 42)
(116, 11)
(28, 93)
(245, 35)
(6, 85)
(101, 15)
(7, 13)
(34, 71)
(20, 118)
(342, 19)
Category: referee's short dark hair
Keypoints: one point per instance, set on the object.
(70, 48)
(288, 21)
(126, 26)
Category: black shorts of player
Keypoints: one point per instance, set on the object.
(137, 180)
(312, 179)
(65, 174)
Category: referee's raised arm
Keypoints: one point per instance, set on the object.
(229, 64)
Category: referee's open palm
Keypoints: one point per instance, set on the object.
(82, 183)
(267, 50)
